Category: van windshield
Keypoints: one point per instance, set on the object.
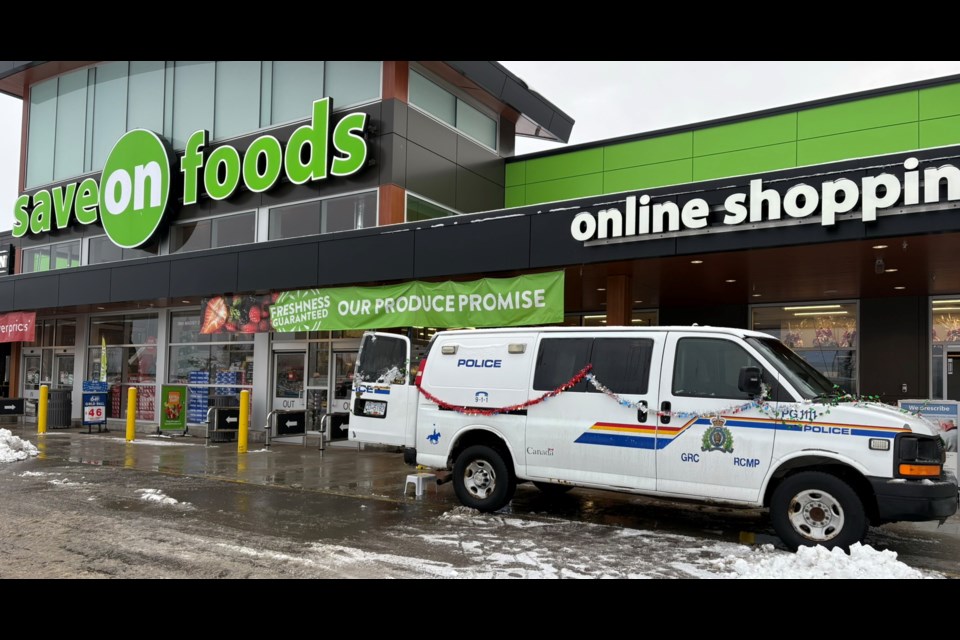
(808, 382)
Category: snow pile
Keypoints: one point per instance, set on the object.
(13, 448)
(155, 495)
(863, 562)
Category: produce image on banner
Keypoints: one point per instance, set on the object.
(236, 314)
(490, 302)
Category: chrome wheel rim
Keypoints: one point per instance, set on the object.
(480, 479)
(816, 515)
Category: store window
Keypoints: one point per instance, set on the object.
(193, 91)
(226, 231)
(51, 256)
(49, 358)
(41, 133)
(123, 351)
(109, 109)
(420, 209)
(433, 99)
(101, 249)
(76, 118)
(945, 348)
(71, 125)
(638, 318)
(823, 334)
(357, 211)
(215, 368)
(237, 98)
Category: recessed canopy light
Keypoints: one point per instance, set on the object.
(830, 291)
(637, 301)
(101, 308)
(879, 246)
(730, 280)
(890, 270)
(899, 288)
(696, 262)
(757, 295)
(185, 301)
(601, 289)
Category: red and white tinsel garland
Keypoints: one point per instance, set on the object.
(475, 411)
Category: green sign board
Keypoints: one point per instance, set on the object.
(131, 197)
(490, 302)
(173, 407)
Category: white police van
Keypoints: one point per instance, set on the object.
(726, 416)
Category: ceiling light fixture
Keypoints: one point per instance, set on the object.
(899, 288)
(696, 262)
(890, 270)
(812, 306)
(730, 280)
(879, 246)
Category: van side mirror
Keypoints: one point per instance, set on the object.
(749, 381)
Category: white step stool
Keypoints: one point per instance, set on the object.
(418, 480)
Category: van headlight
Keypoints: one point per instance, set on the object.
(919, 456)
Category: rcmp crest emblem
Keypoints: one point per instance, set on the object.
(717, 437)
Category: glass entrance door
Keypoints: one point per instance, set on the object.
(341, 384)
(288, 391)
(63, 371)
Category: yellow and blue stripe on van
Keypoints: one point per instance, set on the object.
(641, 436)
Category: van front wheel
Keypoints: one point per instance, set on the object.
(482, 480)
(816, 508)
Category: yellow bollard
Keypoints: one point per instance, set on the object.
(131, 414)
(42, 409)
(244, 420)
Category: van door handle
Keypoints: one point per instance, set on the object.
(665, 415)
(642, 411)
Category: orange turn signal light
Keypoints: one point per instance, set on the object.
(926, 470)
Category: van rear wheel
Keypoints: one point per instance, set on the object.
(815, 508)
(482, 480)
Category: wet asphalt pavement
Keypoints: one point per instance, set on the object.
(92, 505)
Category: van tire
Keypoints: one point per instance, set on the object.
(482, 480)
(816, 508)
(552, 489)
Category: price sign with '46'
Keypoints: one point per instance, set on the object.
(94, 408)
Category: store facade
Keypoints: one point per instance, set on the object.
(831, 225)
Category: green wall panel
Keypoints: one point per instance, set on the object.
(650, 151)
(745, 135)
(515, 196)
(938, 102)
(722, 165)
(516, 173)
(651, 175)
(577, 163)
(565, 188)
(936, 133)
(858, 144)
(859, 115)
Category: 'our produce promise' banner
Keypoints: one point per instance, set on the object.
(490, 302)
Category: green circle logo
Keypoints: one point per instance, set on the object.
(134, 188)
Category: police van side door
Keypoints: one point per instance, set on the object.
(713, 440)
(599, 434)
(383, 395)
